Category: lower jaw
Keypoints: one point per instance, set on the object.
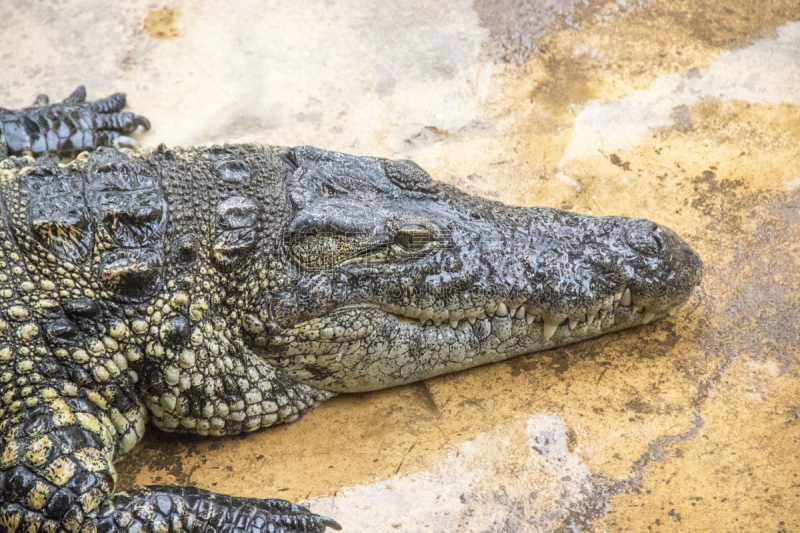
(415, 351)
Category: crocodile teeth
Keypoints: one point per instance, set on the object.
(482, 316)
(672, 310)
(502, 310)
(648, 316)
(548, 329)
(603, 313)
(529, 318)
(590, 319)
(616, 298)
(437, 323)
(453, 323)
(636, 309)
(520, 313)
(573, 322)
(471, 320)
(626, 298)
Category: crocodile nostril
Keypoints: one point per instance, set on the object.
(645, 237)
(175, 330)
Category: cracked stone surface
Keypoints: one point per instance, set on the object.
(686, 113)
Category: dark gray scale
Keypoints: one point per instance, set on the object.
(233, 171)
(236, 224)
(323, 174)
(60, 330)
(130, 212)
(237, 212)
(59, 323)
(132, 218)
(81, 308)
(57, 215)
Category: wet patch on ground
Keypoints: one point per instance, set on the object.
(161, 24)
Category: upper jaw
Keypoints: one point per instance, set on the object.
(540, 279)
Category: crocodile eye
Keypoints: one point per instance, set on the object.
(318, 251)
(414, 238)
(645, 238)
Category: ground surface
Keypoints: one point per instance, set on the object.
(686, 113)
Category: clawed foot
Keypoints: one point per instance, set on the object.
(70, 127)
(155, 508)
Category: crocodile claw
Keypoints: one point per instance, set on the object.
(68, 128)
(200, 510)
(330, 522)
(78, 96)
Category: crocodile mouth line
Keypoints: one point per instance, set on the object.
(590, 320)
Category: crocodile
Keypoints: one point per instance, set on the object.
(219, 290)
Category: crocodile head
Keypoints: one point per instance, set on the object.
(392, 278)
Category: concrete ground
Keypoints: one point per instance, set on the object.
(686, 113)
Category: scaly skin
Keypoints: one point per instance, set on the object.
(361, 307)
(68, 128)
(226, 289)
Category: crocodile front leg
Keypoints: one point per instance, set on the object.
(68, 128)
(57, 475)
